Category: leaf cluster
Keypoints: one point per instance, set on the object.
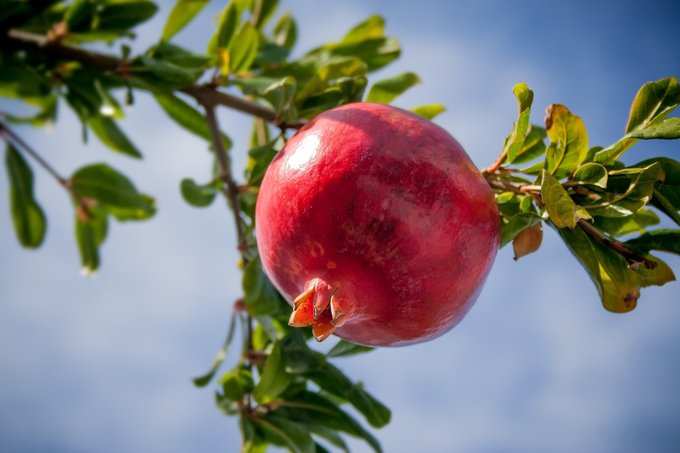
(284, 392)
(601, 207)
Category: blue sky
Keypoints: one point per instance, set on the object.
(104, 363)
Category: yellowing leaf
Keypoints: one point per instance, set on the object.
(429, 111)
(180, 15)
(561, 208)
(568, 132)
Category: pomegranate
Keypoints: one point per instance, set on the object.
(376, 226)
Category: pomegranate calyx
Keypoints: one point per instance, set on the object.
(317, 306)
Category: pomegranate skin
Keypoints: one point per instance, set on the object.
(383, 211)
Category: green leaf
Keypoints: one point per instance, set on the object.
(204, 379)
(322, 415)
(79, 14)
(429, 111)
(108, 105)
(665, 240)
(535, 169)
(367, 42)
(90, 233)
(512, 226)
(226, 28)
(286, 32)
(331, 436)
(46, 114)
(533, 146)
(260, 296)
(91, 20)
(553, 157)
(187, 117)
(197, 195)
(344, 348)
(618, 286)
(259, 159)
(376, 53)
(248, 433)
(243, 49)
(28, 217)
(168, 66)
(274, 379)
(635, 223)
(319, 74)
(667, 129)
(653, 102)
(120, 15)
(181, 14)
(346, 89)
(292, 435)
(670, 208)
(236, 383)
(110, 134)
(515, 142)
(270, 55)
(262, 12)
(279, 93)
(591, 173)
(185, 60)
(164, 73)
(561, 208)
(659, 275)
(21, 81)
(112, 190)
(370, 28)
(628, 190)
(387, 90)
(569, 135)
(666, 195)
(332, 380)
(300, 359)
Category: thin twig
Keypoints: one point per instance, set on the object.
(496, 164)
(13, 137)
(619, 247)
(507, 186)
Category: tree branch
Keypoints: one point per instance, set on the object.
(13, 137)
(224, 162)
(207, 94)
(22, 38)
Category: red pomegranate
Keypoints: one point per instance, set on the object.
(376, 226)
